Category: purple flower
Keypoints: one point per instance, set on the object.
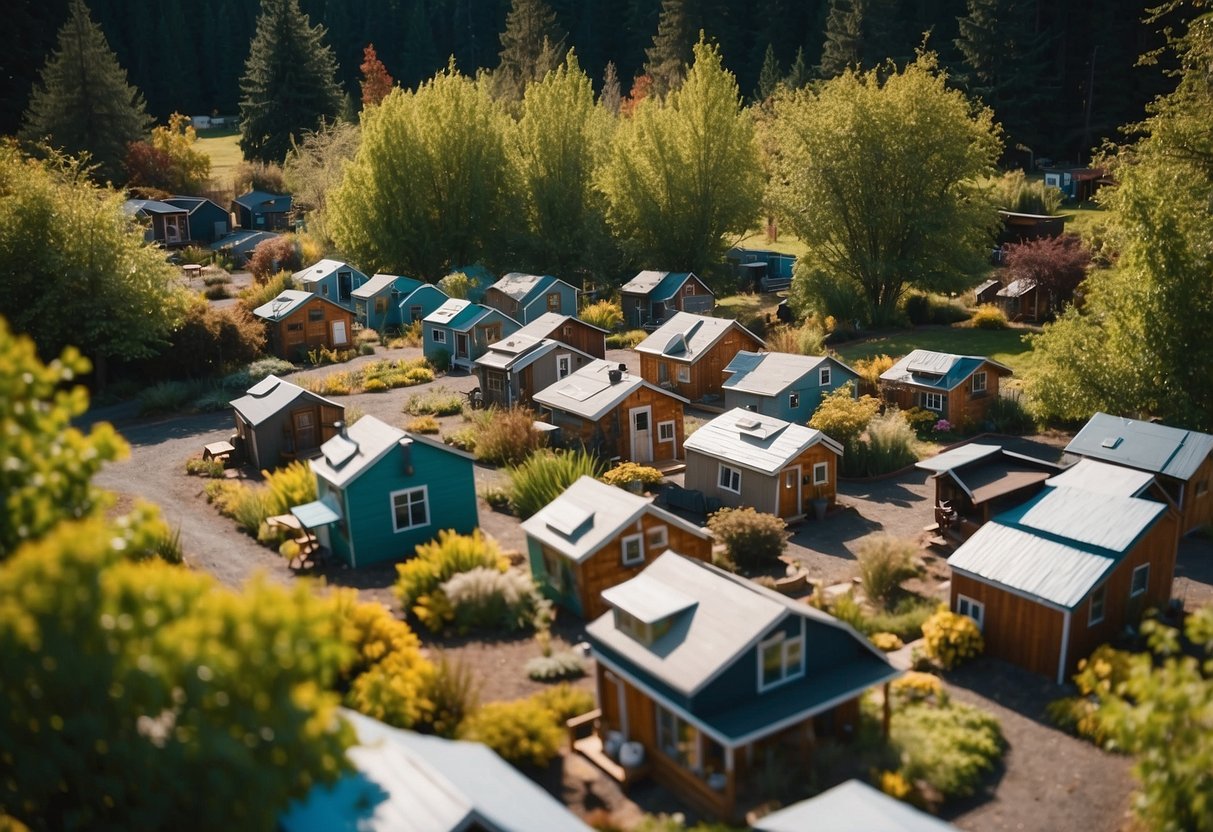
(943, 426)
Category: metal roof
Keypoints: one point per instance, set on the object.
(1148, 446)
(648, 599)
(752, 440)
(1103, 478)
(287, 302)
(192, 203)
(407, 782)
(590, 513)
(545, 325)
(317, 513)
(322, 269)
(264, 201)
(644, 282)
(956, 457)
(588, 392)
(520, 287)
(344, 457)
(515, 353)
(1017, 288)
(938, 370)
(771, 373)
(1090, 518)
(241, 240)
(270, 396)
(446, 313)
(686, 336)
(986, 285)
(1000, 475)
(151, 206)
(853, 806)
(380, 282)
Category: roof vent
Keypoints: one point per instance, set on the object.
(748, 424)
(1112, 442)
(623, 368)
(614, 376)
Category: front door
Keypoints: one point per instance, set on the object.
(789, 493)
(305, 429)
(621, 702)
(339, 335)
(461, 345)
(642, 434)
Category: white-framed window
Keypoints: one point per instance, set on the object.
(780, 659)
(973, 609)
(410, 508)
(729, 479)
(493, 380)
(790, 477)
(821, 473)
(793, 400)
(657, 538)
(678, 739)
(564, 365)
(690, 288)
(665, 431)
(823, 376)
(933, 401)
(684, 374)
(554, 568)
(979, 382)
(1098, 601)
(439, 336)
(1141, 580)
(632, 548)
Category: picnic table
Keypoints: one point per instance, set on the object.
(221, 451)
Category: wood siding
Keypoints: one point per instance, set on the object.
(580, 335)
(611, 436)
(962, 407)
(706, 372)
(307, 328)
(1017, 630)
(764, 492)
(1197, 507)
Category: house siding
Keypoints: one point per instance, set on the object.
(763, 491)
(611, 436)
(291, 344)
(429, 297)
(539, 305)
(580, 335)
(779, 405)
(707, 371)
(962, 406)
(270, 437)
(517, 387)
(1197, 510)
(1015, 629)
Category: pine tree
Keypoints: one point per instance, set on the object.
(799, 75)
(863, 33)
(288, 85)
(611, 96)
(376, 83)
(531, 45)
(843, 37)
(83, 102)
(769, 77)
(670, 55)
(419, 59)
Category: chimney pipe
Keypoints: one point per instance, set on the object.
(340, 426)
(614, 376)
(623, 368)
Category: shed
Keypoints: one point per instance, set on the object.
(977, 480)
(689, 353)
(650, 297)
(262, 211)
(784, 385)
(298, 321)
(460, 331)
(168, 225)
(524, 297)
(209, 221)
(277, 422)
(987, 292)
(239, 245)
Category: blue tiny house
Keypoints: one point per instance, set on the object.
(380, 492)
(525, 297)
(782, 385)
(331, 279)
(388, 301)
(462, 331)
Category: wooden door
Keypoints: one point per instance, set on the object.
(461, 345)
(305, 429)
(790, 504)
(641, 419)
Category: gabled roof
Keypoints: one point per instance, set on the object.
(687, 337)
(752, 440)
(549, 322)
(134, 207)
(590, 513)
(517, 353)
(987, 284)
(408, 782)
(1148, 446)
(1059, 545)
(938, 370)
(1104, 478)
(588, 392)
(264, 201)
(657, 285)
(460, 315)
(270, 396)
(525, 287)
(723, 616)
(242, 240)
(853, 806)
(192, 203)
(346, 456)
(956, 457)
(1017, 288)
(771, 373)
(286, 303)
(322, 269)
(382, 282)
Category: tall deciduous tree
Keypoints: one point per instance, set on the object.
(75, 268)
(313, 169)
(611, 96)
(376, 82)
(558, 142)
(1056, 265)
(668, 59)
(879, 178)
(531, 46)
(83, 103)
(683, 175)
(429, 188)
(288, 84)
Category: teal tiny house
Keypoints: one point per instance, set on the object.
(381, 492)
(331, 279)
(524, 297)
(459, 332)
(389, 301)
(786, 386)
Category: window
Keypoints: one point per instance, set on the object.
(410, 509)
(1141, 580)
(380, 305)
(979, 382)
(315, 314)
(633, 549)
(933, 401)
(415, 313)
(665, 431)
(657, 538)
(564, 365)
(821, 473)
(491, 333)
(439, 336)
(684, 374)
(973, 609)
(553, 566)
(793, 400)
(294, 327)
(690, 288)
(1095, 614)
(678, 739)
(493, 380)
(553, 301)
(823, 376)
(566, 330)
(730, 479)
(324, 290)
(663, 372)
(789, 479)
(781, 659)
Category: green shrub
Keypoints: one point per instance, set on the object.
(168, 397)
(323, 355)
(920, 419)
(603, 314)
(544, 476)
(924, 309)
(506, 437)
(463, 438)
(567, 664)
(489, 599)
(565, 701)
(523, 732)
(199, 467)
(196, 255)
(437, 402)
(250, 505)
(807, 339)
(222, 279)
(441, 360)
(410, 336)
(842, 417)
(1007, 414)
(1015, 192)
(334, 384)
(827, 293)
(905, 621)
(258, 370)
(846, 608)
(452, 694)
(884, 562)
(259, 294)
(989, 316)
(290, 486)
(752, 539)
(217, 292)
(367, 336)
(423, 424)
(625, 340)
(1100, 674)
(888, 445)
(626, 473)
(497, 498)
(951, 747)
(439, 560)
(951, 639)
(375, 385)
(916, 686)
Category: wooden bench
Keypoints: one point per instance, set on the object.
(221, 451)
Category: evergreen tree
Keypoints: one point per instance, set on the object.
(860, 33)
(531, 46)
(288, 84)
(376, 83)
(611, 96)
(670, 54)
(799, 76)
(419, 60)
(83, 102)
(769, 78)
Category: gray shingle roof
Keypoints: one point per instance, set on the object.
(589, 393)
(754, 441)
(939, 370)
(272, 395)
(686, 336)
(591, 513)
(322, 269)
(853, 806)
(151, 206)
(770, 373)
(1017, 288)
(344, 457)
(1173, 452)
(546, 325)
(518, 286)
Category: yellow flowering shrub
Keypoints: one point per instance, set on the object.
(888, 642)
(951, 639)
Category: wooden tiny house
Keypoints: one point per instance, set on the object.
(650, 298)
(566, 329)
(298, 321)
(278, 422)
(960, 388)
(518, 366)
(168, 225)
(595, 536)
(975, 481)
(688, 354)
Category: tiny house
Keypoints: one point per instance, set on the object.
(262, 211)
(649, 298)
(513, 369)
(566, 329)
(208, 221)
(298, 321)
(168, 225)
(786, 386)
(278, 422)
(960, 388)
(331, 279)
(389, 301)
(688, 354)
(460, 331)
(524, 297)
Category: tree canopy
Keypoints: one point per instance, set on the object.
(83, 103)
(169, 160)
(669, 58)
(879, 178)
(532, 44)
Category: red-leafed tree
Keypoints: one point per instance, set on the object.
(1057, 265)
(376, 82)
(642, 88)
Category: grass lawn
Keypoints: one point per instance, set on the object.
(1005, 346)
(747, 308)
(223, 146)
(786, 244)
(1084, 218)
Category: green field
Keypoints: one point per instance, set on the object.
(1005, 346)
(786, 244)
(223, 146)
